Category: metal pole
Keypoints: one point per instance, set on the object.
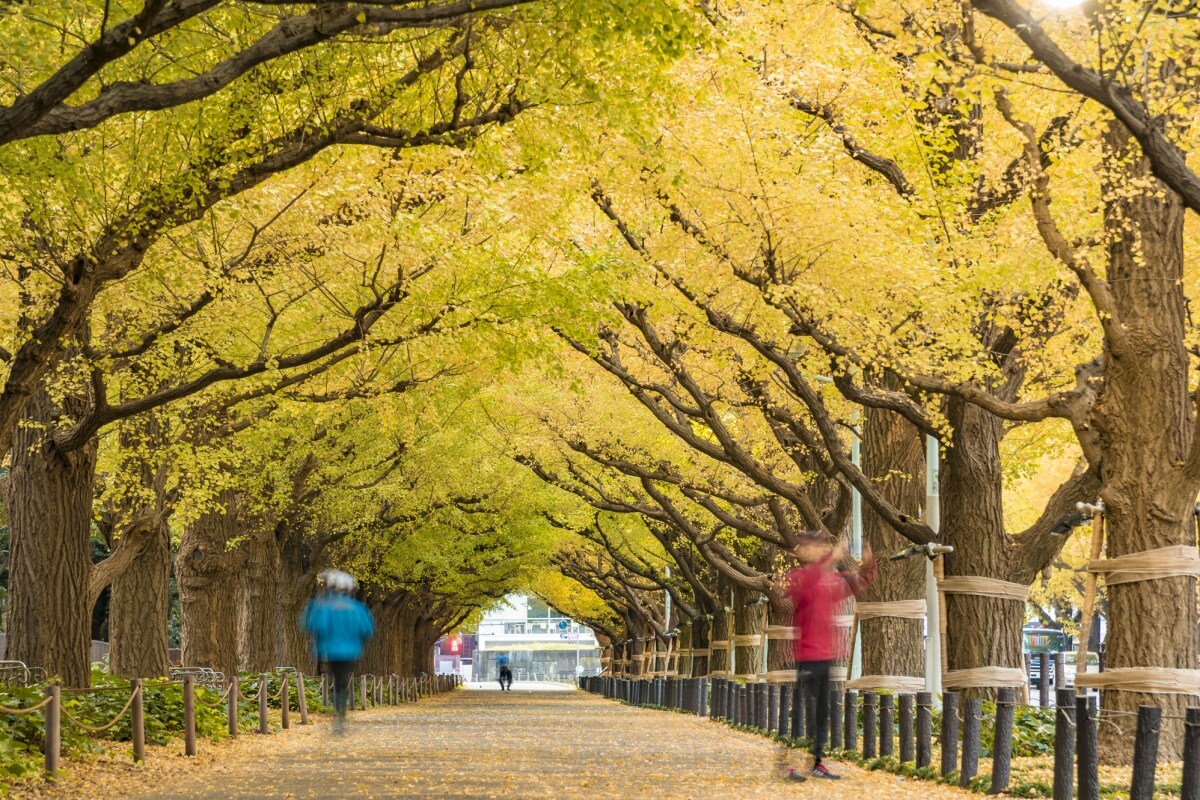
(933, 641)
(856, 546)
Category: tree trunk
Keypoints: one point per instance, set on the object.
(981, 631)
(720, 661)
(701, 626)
(893, 456)
(258, 606)
(207, 575)
(139, 612)
(1144, 420)
(49, 499)
(748, 622)
(297, 581)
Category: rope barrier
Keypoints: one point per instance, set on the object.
(23, 711)
(900, 609)
(1164, 562)
(66, 712)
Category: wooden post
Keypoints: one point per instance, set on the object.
(1064, 744)
(1044, 680)
(302, 697)
(939, 575)
(138, 720)
(231, 704)
(772, 708)
(785, 710)
(972, 713)
(285, 694)
(887, 716)
(702, 697)
(263, 720)
(362, 693)
(325, 688)
(1089, 600)
(1191, 756)
(850, 722)
(949, 732)
(835, 714)
(924, 729)
(1145, 753)
(189, 715)
(1087, 748)
(906, 728)
(1006, 699)
(762, 716)
(1060, 676)
(870, 742)
(53, 725)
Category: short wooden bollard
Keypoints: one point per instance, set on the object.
(762, 718)
(231, 706)
(1064, 744)
(137, 720)
(53, 727)
(362, 693)
(302, 697)
(785, 710)
(285, 702)
(1191, 756)
(924, 729)
(870, 745)
(835, 714)
(772, 708)
(1060, 675)
(850, 722)
(189, 715)
(1006, 701)
(1044, 679)
(1087, 753)
(702, 697)
(972, 724)
(263, 705)
(949, 733)
(1145, 753)
(325, 689)
(906, 728)
(887, 716)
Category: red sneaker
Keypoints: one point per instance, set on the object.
(821, 771)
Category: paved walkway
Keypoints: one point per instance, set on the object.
(526, 744)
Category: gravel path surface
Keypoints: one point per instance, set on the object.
(526, 744)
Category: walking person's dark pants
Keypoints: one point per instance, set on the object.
(812, 678)
(341, 672)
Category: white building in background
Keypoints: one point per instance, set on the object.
(541, 644)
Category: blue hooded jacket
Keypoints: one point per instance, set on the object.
(340, 625)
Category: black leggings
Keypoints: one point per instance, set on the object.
(505, 678)
(813, 678)
(341, 672)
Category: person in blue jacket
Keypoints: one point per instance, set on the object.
(340, 625)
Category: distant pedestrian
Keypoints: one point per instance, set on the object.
(340, 625)
(815, 589)
(505, 673)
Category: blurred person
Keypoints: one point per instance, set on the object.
(339, 625)
(505, 673)
(822, 581)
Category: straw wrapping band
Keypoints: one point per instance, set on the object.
(901, 609)
(1149, 565)
(984, 587)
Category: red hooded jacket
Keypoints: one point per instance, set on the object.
(815, 591)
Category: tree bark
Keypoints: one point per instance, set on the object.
(139, 612)
(49, 498)
(893, 457)
(1144, 420)
(258, 606)
(981, 631)
(701, 626)
(748, 621)
(207, 575)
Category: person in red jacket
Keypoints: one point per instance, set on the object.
(815, 590)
